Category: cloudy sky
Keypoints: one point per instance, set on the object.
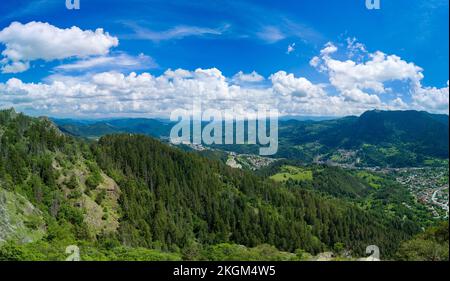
(148, 58)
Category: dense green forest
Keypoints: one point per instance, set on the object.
(376, 192)
(182, 198)
(131, 197)
(431, 245)
(376, 138)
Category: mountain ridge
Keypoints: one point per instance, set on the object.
(171, 200)
(402, 138)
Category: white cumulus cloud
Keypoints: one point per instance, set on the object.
(287, 84)
(25, 43)
(352, 88)
(366, 81)
(112, 94)
(431, 98)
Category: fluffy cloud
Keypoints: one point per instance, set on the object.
(355, 48)
(314, 62)
(354, 87)
(242, 77)
(288, 85)
(328, 49)
(365, 81)
(431, 98)
(370, 75)
(110, 94)
(37, 40)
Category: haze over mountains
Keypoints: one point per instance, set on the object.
(95, 129)
(376, 138)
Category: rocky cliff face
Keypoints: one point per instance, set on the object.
(19, 219)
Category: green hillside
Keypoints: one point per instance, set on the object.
(131, 197)
(376, 138)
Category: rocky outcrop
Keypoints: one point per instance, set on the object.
(19, 219)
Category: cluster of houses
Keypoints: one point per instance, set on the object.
(426, 185)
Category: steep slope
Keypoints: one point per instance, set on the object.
(53, 174)
(19, 219)
(131, 191)
(174, 199)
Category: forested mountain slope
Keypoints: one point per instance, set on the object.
(174, 198)
(380, 138)
(376, 138)
(130, 197)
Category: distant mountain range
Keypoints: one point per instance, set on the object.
(97, 128)
(377, 128)
(376, 138)
(396, 138)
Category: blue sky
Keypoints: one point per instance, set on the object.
(232, 36)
